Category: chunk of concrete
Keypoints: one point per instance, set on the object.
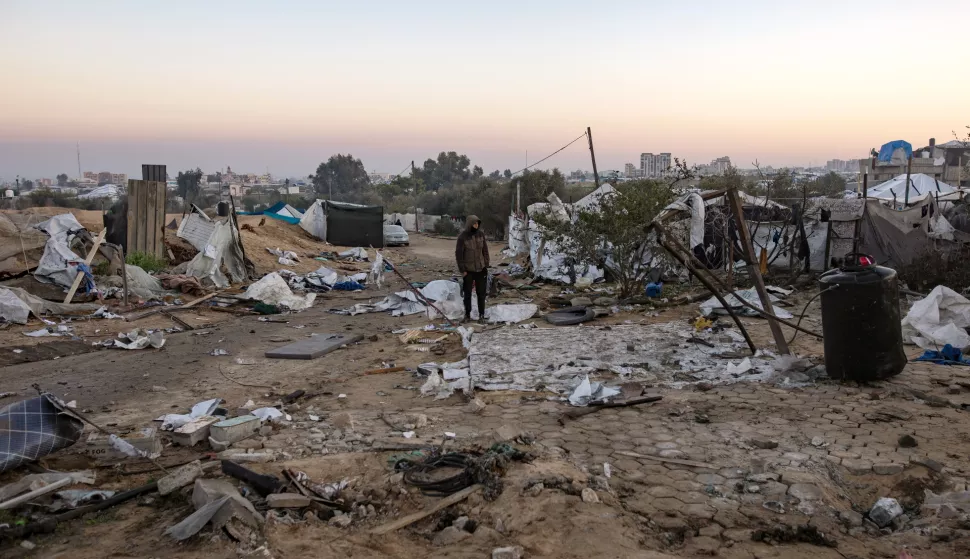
(180, 477)
(194, 431)
(884, 511)
(514, 552)
(343, 421)
(233, 430)
(208, 491)
(287, 501)
(314, 347)
(476, 405)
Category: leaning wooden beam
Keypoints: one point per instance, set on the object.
(440, 505)
(753, 269)
(730, 291)
(662, 237)
(87, 262)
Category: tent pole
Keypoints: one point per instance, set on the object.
(909, 170)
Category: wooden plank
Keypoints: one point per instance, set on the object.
(87, 260)
(440, 505)
(148, 215)
(161, 198)
(132, 236)
(140, 216)
(759, 283)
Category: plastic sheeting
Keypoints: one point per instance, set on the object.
(939, 319)
(273, 290)
(693, 204)
(713, 306)
(314, 220)
(59, 263)
(16, 304)
(35, 428)
(921, 187)
(895, 151)
(220, 249)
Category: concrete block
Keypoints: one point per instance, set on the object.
(194, 431)
(179, 478)
(287, 501)
(209, 490)
(314, 347)
(234, 430)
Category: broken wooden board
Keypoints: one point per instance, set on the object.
(314, 346)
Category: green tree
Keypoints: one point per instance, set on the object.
(62, 179)
(188, 184)
(615, 229)
(508, 173)
(477, 172)
(449, 169)
(536, 186)
(830, 184)
(496, 174)
(341, 176)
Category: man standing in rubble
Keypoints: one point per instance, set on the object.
(471, 253)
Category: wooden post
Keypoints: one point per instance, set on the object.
(124, 276)
(759, 282)
(87, 261)
(592, 155)
(672, 247)
(909, 170)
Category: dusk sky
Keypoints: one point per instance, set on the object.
(283, 85)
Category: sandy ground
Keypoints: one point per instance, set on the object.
(646, 509)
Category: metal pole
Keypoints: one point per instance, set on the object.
(592, 155)
(865, 185)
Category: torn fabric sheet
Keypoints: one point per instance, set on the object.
(693, 204)
(587, 393)
(713, 306)
(59, 264)
(938, 319)
(273, 290)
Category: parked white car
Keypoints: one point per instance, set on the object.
(395, 235)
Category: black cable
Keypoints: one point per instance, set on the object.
(805, 308)
(550, 155)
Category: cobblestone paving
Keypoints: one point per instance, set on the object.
(790, 448)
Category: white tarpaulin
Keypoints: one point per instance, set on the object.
(693, 204)
(16, 304)
(314, 220)
(273, 290)
(939, 319)
(59, 263)
(220, 249)
(920, 187)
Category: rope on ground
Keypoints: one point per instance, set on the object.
(475, 468)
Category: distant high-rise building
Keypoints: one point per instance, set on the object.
(653, 166)
(629, 170)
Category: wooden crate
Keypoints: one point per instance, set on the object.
(146, 217)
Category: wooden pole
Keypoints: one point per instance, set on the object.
(909, 170)
(759, 282)
(592, 155)
(87, 262)
(124, 276)
(662, 238)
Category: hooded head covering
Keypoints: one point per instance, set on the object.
(471, 220)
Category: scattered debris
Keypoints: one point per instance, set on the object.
(140, 339)
(34, 428)
(314, 346)
(884, 511)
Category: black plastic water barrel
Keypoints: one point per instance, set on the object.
(862, 334)
(222, 209)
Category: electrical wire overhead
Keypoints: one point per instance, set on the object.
(583, 135)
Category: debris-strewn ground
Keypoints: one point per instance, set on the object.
(793, 468)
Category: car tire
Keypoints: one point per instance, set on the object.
(570, 316)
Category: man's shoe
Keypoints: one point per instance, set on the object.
(482, 320)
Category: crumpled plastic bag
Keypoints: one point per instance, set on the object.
(938, 319)
(139, 339)
(273, 290)
(587, 393)
(173, 421)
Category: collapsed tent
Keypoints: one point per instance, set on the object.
(110, 191)
(218, 244)
(345, 224)
(16, 306)
(898, 238)
(59, 264)
(281, 211)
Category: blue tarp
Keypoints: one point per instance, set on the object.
(949, 355)
(271, 212)
(887, 150)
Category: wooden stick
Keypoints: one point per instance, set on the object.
(199, 300)
(662, 238)
(440, 505)
(668, 460)
(421, 296)
(87, 262)
(124, 275)
(36, 493)
(755, 272)
(385, 370)
(577, 413)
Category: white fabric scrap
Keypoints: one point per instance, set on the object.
(272, 289)
(743, 367)
(587, 393)
(268, 414)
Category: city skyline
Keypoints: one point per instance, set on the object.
(259, 86)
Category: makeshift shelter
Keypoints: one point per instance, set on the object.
(921, 187)
(218, 244)
(281, 211)
(900, 237)
(345, 224)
